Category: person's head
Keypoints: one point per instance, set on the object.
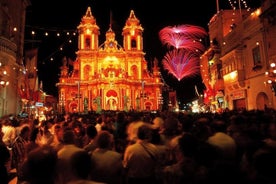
(104, 140)
(81, 164)
(171, 126)
(40, 166)
(91, 131)
(6, 122)
(25, 132)
(68, 136)
(144, 132)
(58, 132)
(158, 123)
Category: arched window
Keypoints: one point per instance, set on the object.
(134, 72)
(87, 42)
(133, 43)
(86, 71)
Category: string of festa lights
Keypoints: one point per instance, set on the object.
(234, 4)
(37, 34)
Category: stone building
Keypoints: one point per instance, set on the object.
(242, 46)
(12, 26)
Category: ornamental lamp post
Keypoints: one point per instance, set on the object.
(271, 74)
(3, 74)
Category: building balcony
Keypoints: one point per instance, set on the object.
(234, 76)
(7, 46)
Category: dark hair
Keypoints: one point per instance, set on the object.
(91, 131)
(68, 136)
(144, 132)
(34, 133)
(40, 165)
(104, 139)
(24, 130)
(81, 164)
(188, 144)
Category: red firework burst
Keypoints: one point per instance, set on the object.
(181, 63)
(183, 37)
(183, 60)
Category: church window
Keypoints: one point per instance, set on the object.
(87, 43)
(133, 43)
(86, 72)
(256, 55)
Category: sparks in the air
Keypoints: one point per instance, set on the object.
(185, 46)
(183, 37)
(181, 63)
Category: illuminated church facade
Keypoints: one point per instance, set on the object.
(109, 76)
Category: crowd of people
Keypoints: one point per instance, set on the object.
(118, 147)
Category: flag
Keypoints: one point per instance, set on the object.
(31, 69)
(70, 62)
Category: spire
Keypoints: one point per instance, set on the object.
(88, 12)
(41, 86)
(132, 15)
(132, 21)
(110, 19)
(88, 17)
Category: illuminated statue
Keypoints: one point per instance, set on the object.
(126, 100)
(137, 103)
(97, 100)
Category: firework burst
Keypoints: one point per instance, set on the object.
(183, 37)
(181, 63)
(185, 45)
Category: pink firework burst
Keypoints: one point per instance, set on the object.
(183, 37)
(181, 63)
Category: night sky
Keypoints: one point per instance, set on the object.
(56, 16)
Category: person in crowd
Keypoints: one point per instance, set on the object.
(91, 133)
(9, 131)
(32, 144)
(19, 151)
(4, 158)
(109, 123)
(227, 172)
(270, 140)
(141, 158)
(64, 156)
(157, 129)
(185, 168)
(264, 166)
(40, 166)
(107, 163)
(220, 139)
(45, 136)
(120, 126)
(100, 122)
(158, 124)
(79, 131)
(120, 134)
(132, 129)
(169, 135)
(58, 136)
(81, 165)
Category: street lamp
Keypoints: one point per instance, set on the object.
(271, 74)
(3, 74)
